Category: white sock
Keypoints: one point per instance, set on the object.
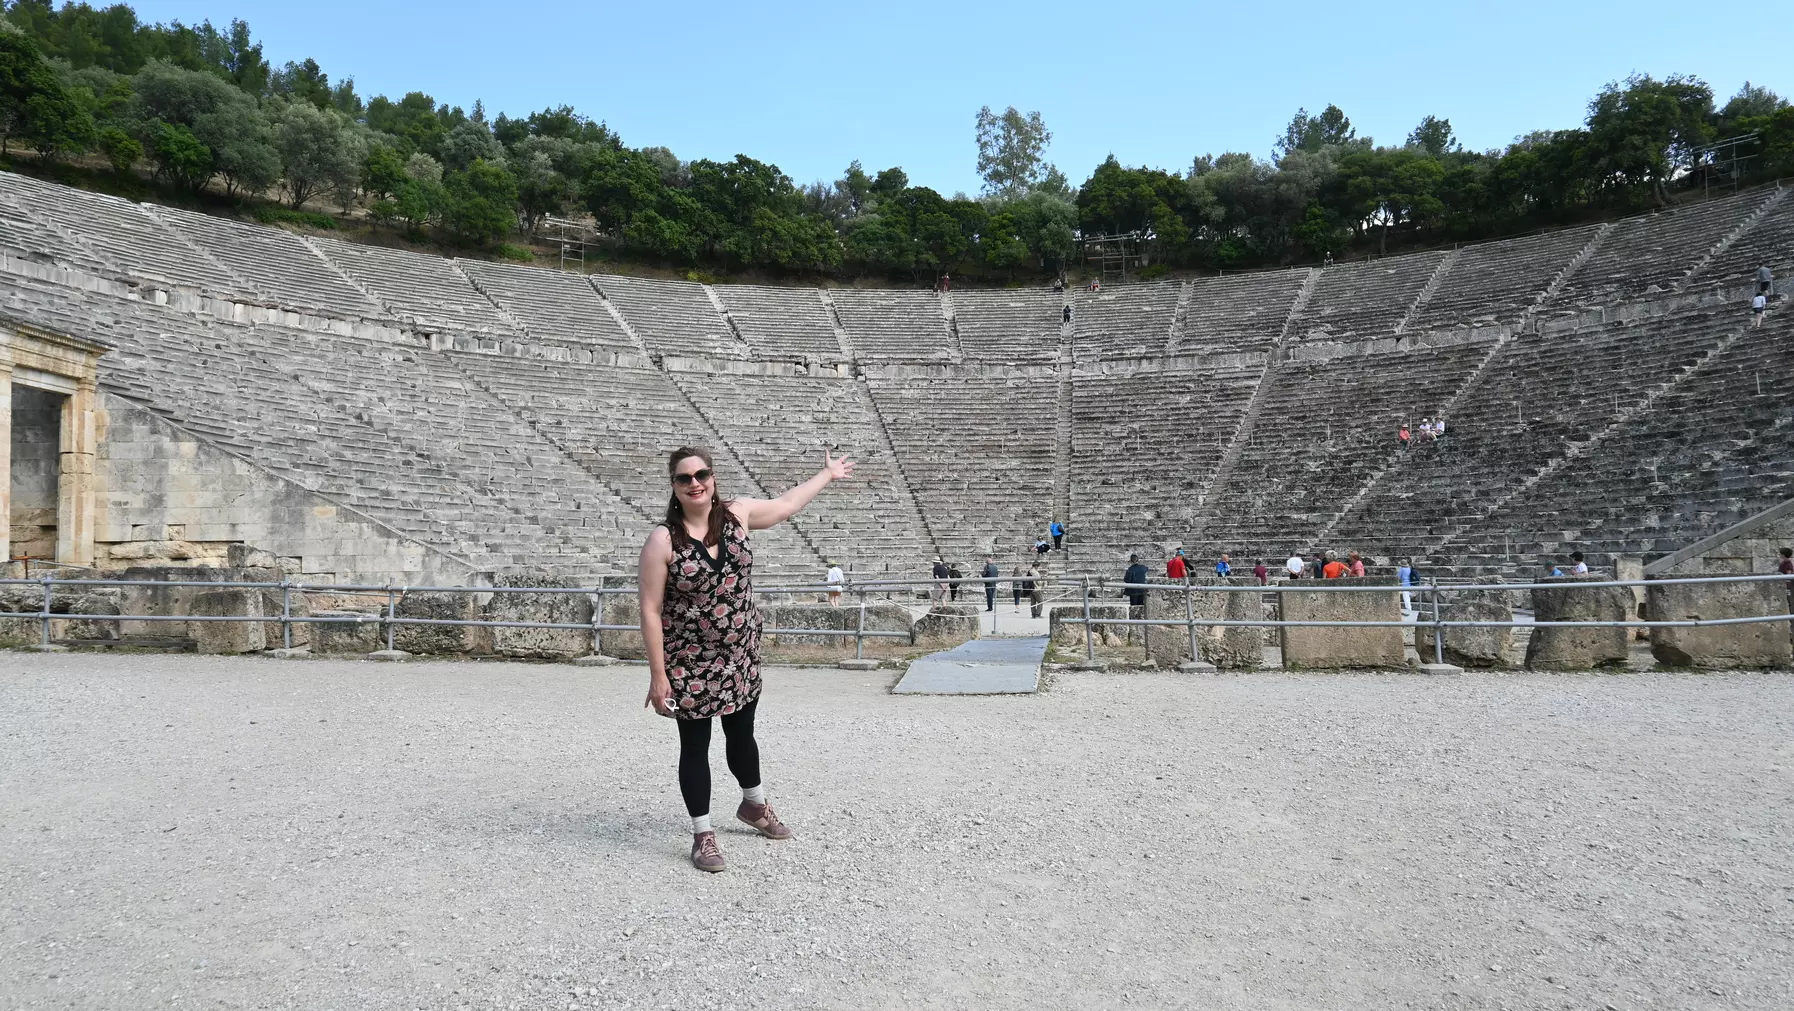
(700, 824)
(754, 794)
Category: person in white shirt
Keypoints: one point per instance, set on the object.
(834, 579)
(1439, 429)
(1581, 568)
(1759, 304)
(1295, 566)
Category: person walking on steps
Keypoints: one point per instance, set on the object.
(701, 633)
(1058, 532)
(1136, 573)
(990, 574)
(1176, 567)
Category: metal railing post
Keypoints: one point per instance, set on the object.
(859, 635)
(286, 613)
(1190, 619)
(597, 619)
(1438, 629)
(44, 617)
(392, 611)
(1089, 633)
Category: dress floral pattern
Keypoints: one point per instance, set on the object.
(711, 628)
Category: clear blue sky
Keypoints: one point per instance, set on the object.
(811, 87)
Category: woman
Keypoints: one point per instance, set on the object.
(701, 633)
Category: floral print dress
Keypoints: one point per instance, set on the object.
(711, 628)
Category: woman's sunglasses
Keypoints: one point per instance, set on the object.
(685, 480)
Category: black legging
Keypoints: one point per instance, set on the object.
(694, 756)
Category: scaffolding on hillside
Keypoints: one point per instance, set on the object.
(1113, 254)
(573, 237)
(1722, 160)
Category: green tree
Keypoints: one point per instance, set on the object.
(467, 143)
(1045, 223)
(1011, 149)
(1390, 188)
(479, 206)
(1434, 136)
(242, 143)
(34, 103)
(1641, 134)
(303, 82)
(1312, 133)
(317, 151)
(382, 172)
(541, 190)
(180, 158)
(121, 150)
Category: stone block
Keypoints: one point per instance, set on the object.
(101, 601)
(299, 606)
(1064, 633)
(1234, 647)
(1578, 648)
(1471, 647)
(1719, 646)
(347, 632)
(881, 616)
(448, 640)
(228, 636)
(560, 608)
(1323, 648)
(944, 628)
(623, 609)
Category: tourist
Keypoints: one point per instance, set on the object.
(834, 579)
(1786, 567)
(1015, 586)
(1439, 427)
(1041, 546)
(1426, 430)
(1066, 317)
(701, 632)
(1136, 573)
(1175, 568)
(1765, 279)
(990, 574)
(1356, 568)
(1759, 304)
(1224, 567)
(1294, 565)
(1581, 567)
(953, 578)
(1403, 438)
(1334, 569)
(1036, 588)
(1058, 285)
(1556, 570)
(1057, 529)
(1404, 577)
(1318, 568)
(941, 573)
(1263, 573)
(946, 282)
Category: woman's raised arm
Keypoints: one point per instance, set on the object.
(759, 513)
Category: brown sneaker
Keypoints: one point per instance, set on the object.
(764, 821)
(704, 854)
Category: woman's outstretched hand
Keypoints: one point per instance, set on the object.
(836, 468)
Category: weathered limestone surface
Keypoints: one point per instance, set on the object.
(63, 601)
(944, 628)
(442, 639)
(1578, 648)
(561, 608)
(623, 609)
(1471, 647)
(1064, 633)
(1719, 646)
(353, 632)
(881, 616)
(1328, 648)
(1234, 647)
(228, 636)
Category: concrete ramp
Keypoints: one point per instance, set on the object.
(979, 667)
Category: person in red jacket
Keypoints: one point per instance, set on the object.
(1263, 573)
(1175, 568)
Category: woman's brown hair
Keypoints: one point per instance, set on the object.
(719, 507)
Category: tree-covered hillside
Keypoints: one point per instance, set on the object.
(201, 109)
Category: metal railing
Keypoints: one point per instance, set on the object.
(1430, 592)
(1430, 613)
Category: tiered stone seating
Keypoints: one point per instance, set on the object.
(1143, 444)
(977, 447)
(1770, 242)
(1324, 427)
(782, 323)
(672, 317)
(1127, 320)
(1543, 392)
(1714, 450)
(1495, 282)
(27, 235)
(277, 265)
(1017, 325)
(781, 425)
(899, 325)
(122, 235)
(1652, 253)
(552, 306)
(1238, 311)
(1365, 300)
(426, 288)
(620, 423)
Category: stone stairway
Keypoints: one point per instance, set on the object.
(1744, 227)
(1426, 293)
(834, 316)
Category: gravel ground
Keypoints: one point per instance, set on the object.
(204, 832)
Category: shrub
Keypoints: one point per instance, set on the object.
(268, 214)
(120, 149)
(1154, 271)
(518, 254)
